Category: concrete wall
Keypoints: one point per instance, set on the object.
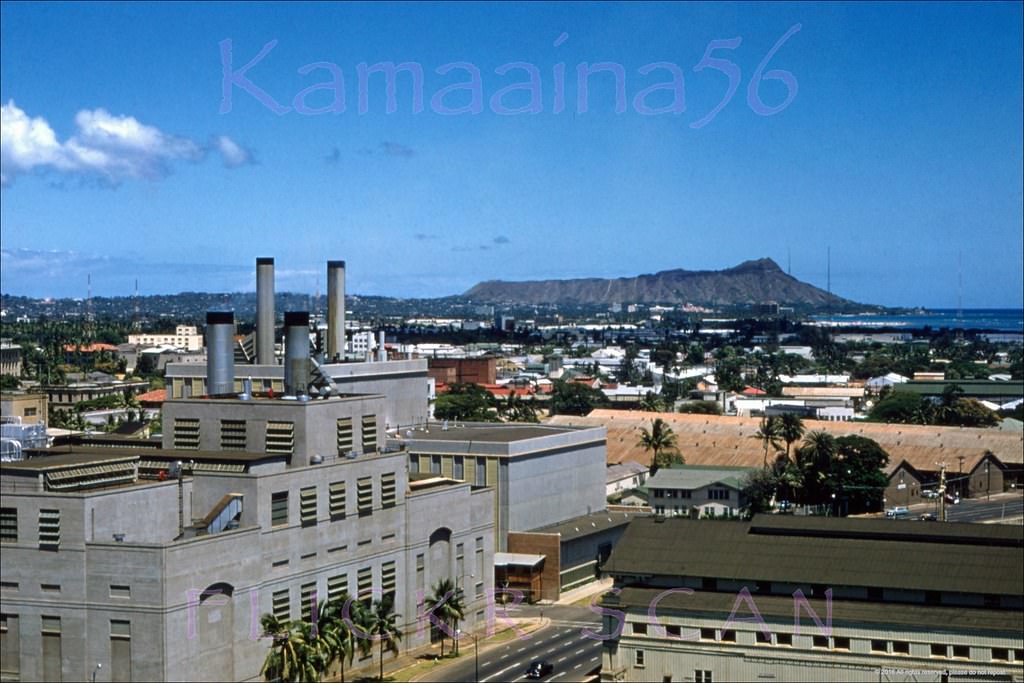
(551, 486)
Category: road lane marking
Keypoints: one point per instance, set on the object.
(579, 651)
(561, 659)
(577, 666)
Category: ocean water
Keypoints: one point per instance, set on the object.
(1001, 319)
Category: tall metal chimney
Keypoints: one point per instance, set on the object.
(296, 353)
(382, 353)
(265, 311)
(335, 311)
(220, 355)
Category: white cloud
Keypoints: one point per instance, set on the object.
(111, 148)
(233, 154)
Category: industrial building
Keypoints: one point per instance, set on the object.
(157, 563)
(814, 599)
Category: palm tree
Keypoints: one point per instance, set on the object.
(814, 458)
(381, 624)
(294, 655)
(791, 430)
(651, 403)
(769, 433)
(447, 604)
(337, 638)
(659, 439)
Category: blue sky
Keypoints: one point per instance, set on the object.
(901, 149)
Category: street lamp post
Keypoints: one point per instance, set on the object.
(988, 486)
(476, 652)
(95, 671)
(458, 631)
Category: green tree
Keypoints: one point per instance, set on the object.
(294, 656)
(758, 490)
(857, 477)
(469, 402)
(336, 632)
(9, 383)
(447, 604)
(572, 398)
(791, 430)
(814, 458)
(904, 407)
(658, 440)
(651, 403)
(770, 434)
(382, 626)
(701, 408)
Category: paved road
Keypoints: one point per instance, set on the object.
(1000, 507)
(562, 643)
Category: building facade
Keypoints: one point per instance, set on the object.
(814, 599)
(185, 337)
(158, 563)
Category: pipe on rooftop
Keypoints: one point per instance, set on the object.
(220, 361)
(265, 311)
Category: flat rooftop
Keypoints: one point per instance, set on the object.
(486, 432)
(584, 525)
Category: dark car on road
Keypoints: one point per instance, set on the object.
(539, 669)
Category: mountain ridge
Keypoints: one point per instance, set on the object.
(750, 282)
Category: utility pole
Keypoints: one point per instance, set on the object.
(942, 491)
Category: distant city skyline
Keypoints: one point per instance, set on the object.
(548, 141)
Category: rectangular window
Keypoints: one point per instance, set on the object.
(388, 492)
(9, 585)
(279, 564)
(337, 493)
(702, 676)
(762, 638)
(459, 468)
(186, 433)
(8, 525)
(962, 651)
(414, 464)
(435, 464)
(120, 591)
(638, 658)
(880, 646)
(280, 438)
(939, 650)
(369, 433)
(784, 639)
(673, 631)
(1000, 654)
(639, 628)
(480, 557)
(281, 605)
(309, 597)
(344, 435)
(388, 583)
(460, 559)
(337, 586)
(900, 647)
(841, 643)
(729, 636)
(481, 472)
(10, 647)
(307, 505)
(49, 587)
(364, 495)
(420, 574)
(820, 641)
(364, 584)
(120, 650)
(232, 435)
(30, 412)
(52, 658)
(49, 529)
(707, 634)
(279, 508)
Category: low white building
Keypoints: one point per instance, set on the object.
(186, 337)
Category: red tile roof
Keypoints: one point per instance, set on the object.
(155, 396)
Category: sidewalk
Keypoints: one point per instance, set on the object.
(584, 593)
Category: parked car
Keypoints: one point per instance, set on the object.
(929, 517)
(539, 669)
(898, 512)
(952, 498)
(929, 493)
(785, 506)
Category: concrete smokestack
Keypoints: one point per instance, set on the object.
(265, 311)
(335, 310)
(220, 356)
(296, 353)
(382, 353)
